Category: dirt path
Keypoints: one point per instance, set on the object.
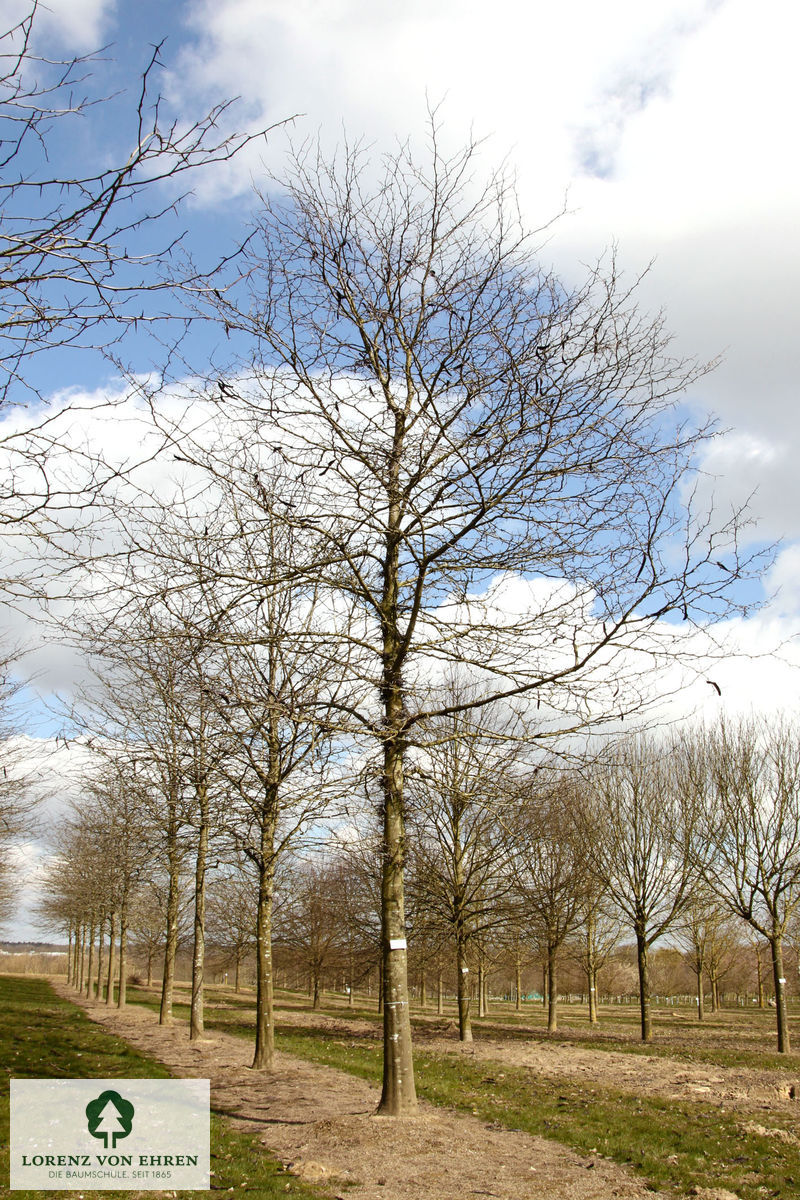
(321, 1121)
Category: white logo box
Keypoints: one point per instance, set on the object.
(104, 1134)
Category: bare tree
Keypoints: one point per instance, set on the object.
(360, 857)
(599, 928)
(550, 869)
(638, 823)
(461, 423)
(232, 919)
(276, 773)
(461, 852)
(749, 775)
(307, 918)
(693, 934)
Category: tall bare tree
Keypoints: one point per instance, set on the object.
(493, 470)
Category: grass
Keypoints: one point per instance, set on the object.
(43, 1036)
(673, 1145)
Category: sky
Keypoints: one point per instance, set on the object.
(666, 130)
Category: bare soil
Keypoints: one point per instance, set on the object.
(321, 1123)
(736, 1088)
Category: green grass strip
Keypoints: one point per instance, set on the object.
(43, 1036)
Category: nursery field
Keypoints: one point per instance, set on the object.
(706, 1110)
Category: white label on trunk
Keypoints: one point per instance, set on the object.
(781, 981)
(397, 943)
(465, 970)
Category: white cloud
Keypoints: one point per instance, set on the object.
(77, 25)
(671, 124)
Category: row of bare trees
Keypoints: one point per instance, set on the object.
(652, 839)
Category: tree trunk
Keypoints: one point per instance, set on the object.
(82, 958)
(101, 941)
(644, 987)
(90, 964)
(481, 988)
(73, 979)
(776, 946)
(462, 984)
(439, 994)
(423, 995)
(712, 980)
(760, 971)
(196, 1028)
(544, 983)
(122, 995)
(171, 941)
(593, 1017)
(398, 1097)
(112, 940)
(237, 975)
(552, 989)
(701, 1012)
(69, 953)
(518, 984)
(316, 1001)
(264, 1054)
(591, 966)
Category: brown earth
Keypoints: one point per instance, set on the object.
(737, 1088)
(322, 1122)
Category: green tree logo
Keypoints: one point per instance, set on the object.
(110, 1116)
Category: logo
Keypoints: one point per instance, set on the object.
(137, 1135)
(110, 1116)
